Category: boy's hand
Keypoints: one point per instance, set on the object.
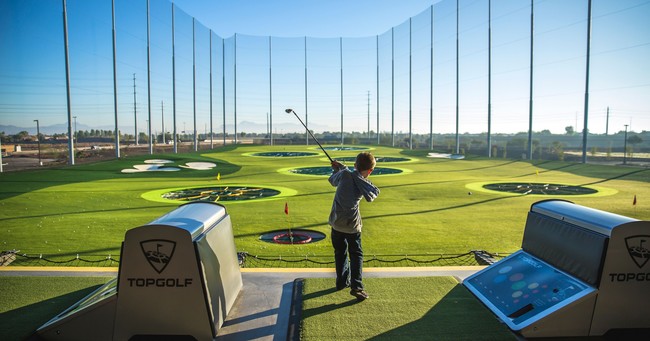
(336, 166)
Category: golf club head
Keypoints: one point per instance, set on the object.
(288, 111)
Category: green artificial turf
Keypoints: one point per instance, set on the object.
(29, 302)
(413, 308)
(86, 209)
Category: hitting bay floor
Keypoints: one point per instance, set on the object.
(262, 309)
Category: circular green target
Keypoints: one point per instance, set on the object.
(283, 154)
(344, 148)
(327, 171)
(222, 193)
(378, 159)
(539, 188)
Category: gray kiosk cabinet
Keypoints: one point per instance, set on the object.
(580, 272)
(179, 276)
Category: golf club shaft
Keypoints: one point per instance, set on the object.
(312, 135)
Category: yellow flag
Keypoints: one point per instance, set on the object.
(537, 171)
(218, 176)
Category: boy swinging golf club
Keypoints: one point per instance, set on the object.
(345, 218)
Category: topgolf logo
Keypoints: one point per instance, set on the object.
(158, 252)
(638, 251)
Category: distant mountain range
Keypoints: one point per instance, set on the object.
(46, 130)
(243, 126)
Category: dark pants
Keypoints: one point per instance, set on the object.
(348, 273)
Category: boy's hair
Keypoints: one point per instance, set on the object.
(365, 161)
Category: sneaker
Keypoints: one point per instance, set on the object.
(360, 294)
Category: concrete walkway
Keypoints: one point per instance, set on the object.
(262, 309)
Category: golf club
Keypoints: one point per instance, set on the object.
(289, 111)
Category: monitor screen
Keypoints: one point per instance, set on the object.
(520, 289)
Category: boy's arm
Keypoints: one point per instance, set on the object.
(369, 191)
(337, 168)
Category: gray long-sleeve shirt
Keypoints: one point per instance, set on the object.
(350, 188)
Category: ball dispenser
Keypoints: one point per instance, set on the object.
(580, 272)
(179, 277)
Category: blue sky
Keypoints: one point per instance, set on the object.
(299, 18)
(32, 83)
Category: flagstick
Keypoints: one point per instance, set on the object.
(289, 229)
(286, 210)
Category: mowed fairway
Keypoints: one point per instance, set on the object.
(426, 210)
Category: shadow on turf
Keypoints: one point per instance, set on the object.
(21, 323)
(296, 312)
(588, 170)
(470, 169)
(119, 209)
(458, 316)
(544, 171)
(324, 223)
(615, 177)
(440, 209)
(331, 192)
(328, 308)
(565, 168)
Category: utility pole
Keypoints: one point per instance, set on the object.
(162, 114)
(67, 83)
(268, 129)
(135, 116)
(607, 123)
(625, 147)
(38, 139)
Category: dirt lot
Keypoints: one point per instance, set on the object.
(58, 156)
